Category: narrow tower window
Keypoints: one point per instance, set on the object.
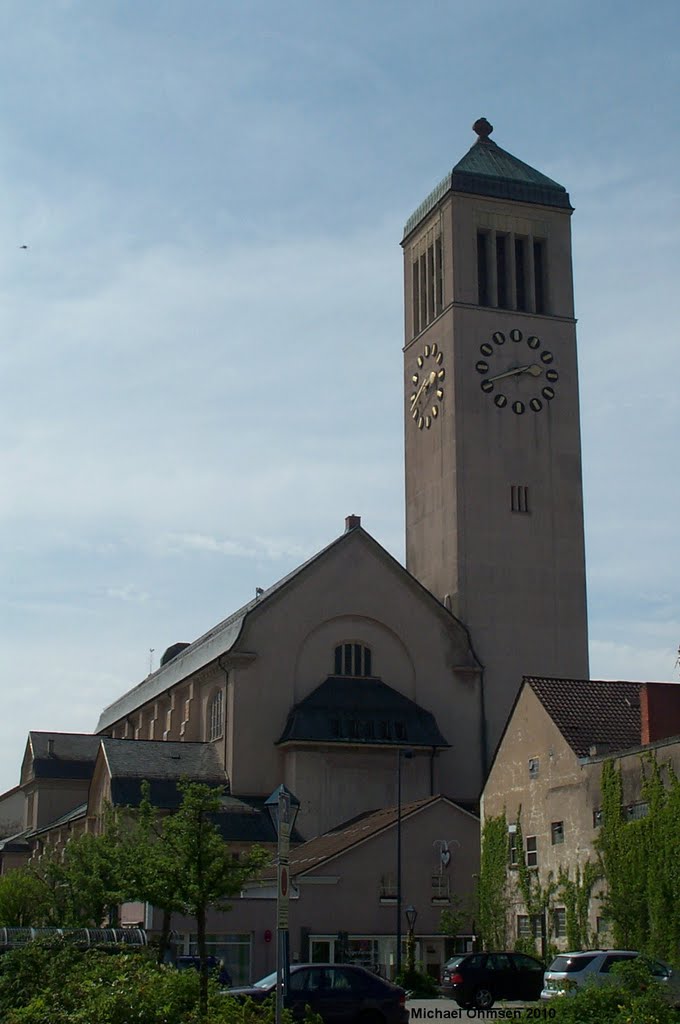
(520, 274)
(482, 269)
(427, 280)
(502, 270)
(519, 498)
(539, 275)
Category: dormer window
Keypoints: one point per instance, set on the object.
(352, 660)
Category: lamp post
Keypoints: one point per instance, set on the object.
(401, 754)
(411, 915)
(282, 807)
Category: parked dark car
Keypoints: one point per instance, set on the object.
(340, 993)
(215, 967)
(479, 979)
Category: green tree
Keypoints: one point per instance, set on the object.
(25, 901)
(200, 864)
(537, 898)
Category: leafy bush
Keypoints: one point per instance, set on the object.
(418, 984)
(53, 982)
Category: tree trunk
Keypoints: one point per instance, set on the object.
(203, 981)
(164, 940)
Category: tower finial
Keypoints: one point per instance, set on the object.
(483, 129)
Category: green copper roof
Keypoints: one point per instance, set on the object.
(488, 170)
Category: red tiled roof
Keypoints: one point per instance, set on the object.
(593, 715)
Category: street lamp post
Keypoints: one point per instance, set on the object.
(282, 807)
(407, 754)
(411, 915)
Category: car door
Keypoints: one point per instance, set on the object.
(339, 997)
(528, 976)
(500, 976)
(304, 988)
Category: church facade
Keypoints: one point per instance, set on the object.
(323, 678)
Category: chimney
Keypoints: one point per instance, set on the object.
(352, 522)
(659, 711)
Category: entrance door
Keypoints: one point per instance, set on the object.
(321, 951)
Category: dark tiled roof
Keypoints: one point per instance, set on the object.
(488, 170)
(18, 843)
(344, 709)
(309, 855)
(63, 755)
(593, 715)
(162, 759)
(73, 815)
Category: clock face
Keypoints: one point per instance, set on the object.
(426, 392)
(517, 372)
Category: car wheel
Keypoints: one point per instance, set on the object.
(483, 999)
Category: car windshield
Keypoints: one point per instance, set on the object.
(454, 961)
(266, 982)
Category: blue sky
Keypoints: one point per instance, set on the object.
(200, 368)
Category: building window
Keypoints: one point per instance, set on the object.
(388, 887)
(502, 271)
(519, 498)
(233, 950)
(597, 817)
(512, 849)
(557, 832)
(559, 922)
(427, 280)
(533, 767)
(528, 926)
(539, 275)
(441, 889)
(532, 852)
(602, 925)
(633, 812)
(216, 716)
(353, 660)
(520, 274)
(483, 294)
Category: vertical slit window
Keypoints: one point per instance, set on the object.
(367, 661)
(439, 273)
(430, 283)
(423, 292)
(520, 274)
(338, 661)
(539, 275)
(482, 270)
(348, 660)
(416, 296)
(502, 270)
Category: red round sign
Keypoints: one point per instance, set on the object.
(284, 881)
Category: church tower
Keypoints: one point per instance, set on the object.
(494, 502)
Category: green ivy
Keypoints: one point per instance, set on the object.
(576, 893)
(641, 861)
(492, 887)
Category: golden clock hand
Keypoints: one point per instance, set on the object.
(532, 369)
(428, 381)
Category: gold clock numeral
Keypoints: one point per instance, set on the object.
(428, 421)
(420, 422)
(435, 411)
(438, 360)
(415, 414)
(414, 378)
(434, 349)
(441, 373)
(427, 350)
(440, 393)
(420, 360)
(413, 397)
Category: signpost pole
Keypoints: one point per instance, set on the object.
(282, 900)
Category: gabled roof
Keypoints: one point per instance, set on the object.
(592, 714)
(18, 843)
(488, 170)
(344, 709)
(78, 812)
(63, 755)
(351, 833)
(223, 637)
